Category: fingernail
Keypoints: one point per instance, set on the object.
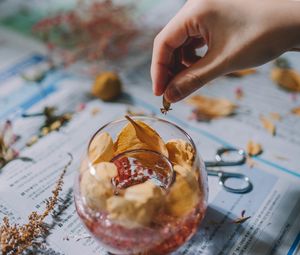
(173, 94)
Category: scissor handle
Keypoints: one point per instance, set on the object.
(223, 162)
(223, 177)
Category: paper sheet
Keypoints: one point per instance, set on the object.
(273, 204)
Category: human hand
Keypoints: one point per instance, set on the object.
(239, 34)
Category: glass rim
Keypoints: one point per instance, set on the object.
(140, 117)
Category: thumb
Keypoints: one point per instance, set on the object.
(197, 75)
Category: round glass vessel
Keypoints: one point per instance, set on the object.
(138, 200)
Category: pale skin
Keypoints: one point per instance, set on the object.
(239, 34)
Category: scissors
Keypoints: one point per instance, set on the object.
(225, 176)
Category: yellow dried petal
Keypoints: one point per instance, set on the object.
(184, 193)
(137, 207)
(296, 111)
(141, 193)
(138, 135)
(288, 79)
(242, 73)
(275, 116)
(96, 186)
(268, 125)
(180, 152)
(253, 148)
(107, 86)
(211, 108)
(101, 148)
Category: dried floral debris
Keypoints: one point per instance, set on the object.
(166, 106)
(107, 86)
(275, 116)
(242, 219)
(242, 73)
(207, 108)
(253, 148)
(91, 31)
(239, 93)
(15, 238)
(268, 125)
(296, 111)
(52, 122)
(138, 135)
(286, 77)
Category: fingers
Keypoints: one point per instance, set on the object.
(170, 38)
(193, 78)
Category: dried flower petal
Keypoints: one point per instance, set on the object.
(184, 193)
(254, 149)
(97, 187)
(138, 135)
(166, 106)
(242, 73)
(241, 220)
(275, 116)
(210, 108)
(107, 86)
(268, 125)
(138, 205)
(180, 152)
(288, 79)
(296, 111)
(101, 148)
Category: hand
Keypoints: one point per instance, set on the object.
(239, 34)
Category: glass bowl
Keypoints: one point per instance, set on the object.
(141, 201)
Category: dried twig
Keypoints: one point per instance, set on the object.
(15, 238)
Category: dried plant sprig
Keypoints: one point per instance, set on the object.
(15, 238)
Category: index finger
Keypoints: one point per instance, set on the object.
(170, 38)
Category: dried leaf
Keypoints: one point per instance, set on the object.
(138, 135)
(296, 111)
(268, 125)
(288, 79)
(254, 149)
(180, 152)
(166, 106)
(242, 73)
(101, 148)
(210, 108)
(184, 193)
(96, 185)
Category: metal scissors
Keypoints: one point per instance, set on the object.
(225, 176)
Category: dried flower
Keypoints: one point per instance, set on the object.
(239, 93)
(268, 125)
(90, 31)
(107, 86)
(15, 238)
(53, 122)
(296, 111)
(242, 219)
(275, 116)
(286, 78)
(253, 148)
(211, 108)
(166, 106)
